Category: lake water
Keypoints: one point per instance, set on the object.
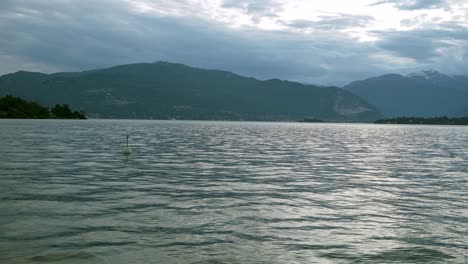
(232, 192)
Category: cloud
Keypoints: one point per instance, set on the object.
(78, 38)
(410, 46)
(66, 35)
(415, 4)
(424, 45)
(331, 22)
(258, 8)
(92, 41)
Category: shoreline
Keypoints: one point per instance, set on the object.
(228, 121)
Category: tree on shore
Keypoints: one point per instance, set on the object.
(64, 112)
(15, 107)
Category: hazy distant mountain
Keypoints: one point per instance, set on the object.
(166, 90)
(424, 94)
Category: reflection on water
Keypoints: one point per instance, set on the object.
(232, 192)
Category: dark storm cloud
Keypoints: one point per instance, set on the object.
(415, 4)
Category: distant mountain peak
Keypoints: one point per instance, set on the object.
(428, 74)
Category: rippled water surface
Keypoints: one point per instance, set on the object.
(232, 192)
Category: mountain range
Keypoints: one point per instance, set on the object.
(165, 90)
(424, 94)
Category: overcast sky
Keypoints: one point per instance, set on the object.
(319, 41)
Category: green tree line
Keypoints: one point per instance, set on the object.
(15, 107)
(442, 120)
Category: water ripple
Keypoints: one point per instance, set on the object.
(232, 192)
